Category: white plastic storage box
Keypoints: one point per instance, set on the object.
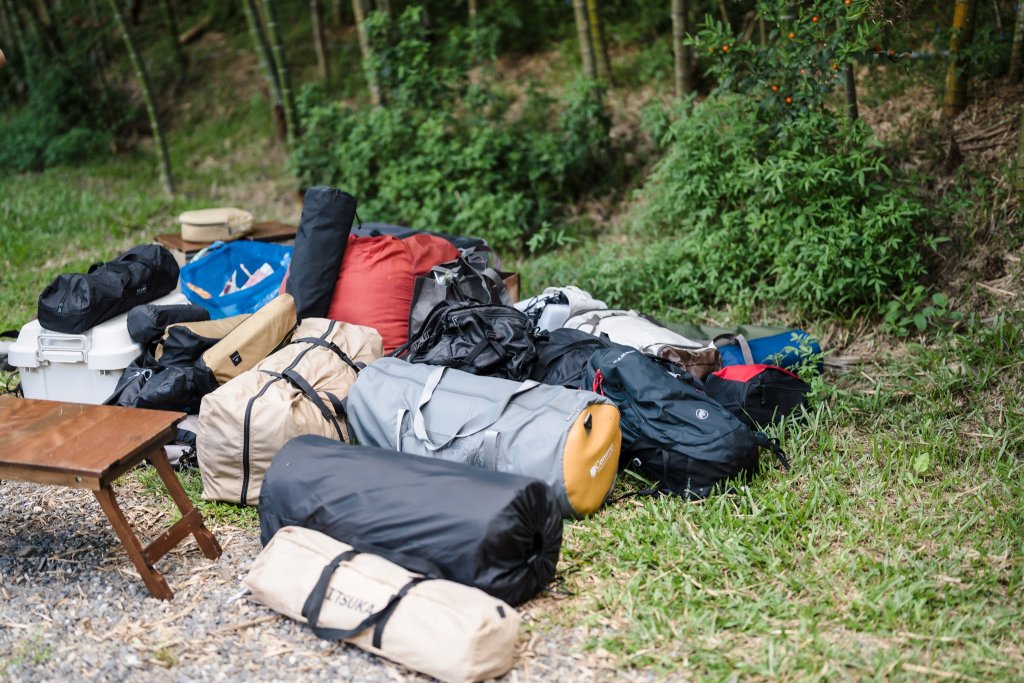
(77, 368)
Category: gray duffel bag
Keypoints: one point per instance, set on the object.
(567, 438)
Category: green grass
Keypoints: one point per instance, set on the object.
(241, 516)
(895, 543)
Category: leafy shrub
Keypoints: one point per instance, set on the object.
(736, 213)
(68, 118)
(445, 153)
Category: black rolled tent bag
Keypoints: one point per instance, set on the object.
(320, 242)
(499, 532)
(146, 323)
(76, 302)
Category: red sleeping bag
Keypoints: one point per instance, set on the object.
(376, 281)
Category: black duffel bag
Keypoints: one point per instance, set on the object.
(457, 280)
(563, 354)
(482, 339)
(499, 532)
(76, 302)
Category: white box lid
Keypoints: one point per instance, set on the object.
(106, 346)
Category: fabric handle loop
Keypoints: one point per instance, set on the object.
(315, 601)
(475, 424)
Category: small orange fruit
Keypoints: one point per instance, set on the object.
(789, 100)
(835, 67)
(725, 48)
(814, 19)
(792, 36)
(775, 88)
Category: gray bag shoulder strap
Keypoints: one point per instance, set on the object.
(738, 339)
(475, 424)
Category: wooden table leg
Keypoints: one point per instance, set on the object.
(204, 538)
(154, 580)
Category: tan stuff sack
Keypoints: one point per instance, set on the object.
(647, 336)
(229, 346)
(297, 390)
(213, 225)
(444, 629)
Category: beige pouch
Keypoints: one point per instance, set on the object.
(452, 632)
(212, 225)
(252, 340)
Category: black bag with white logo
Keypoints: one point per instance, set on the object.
(76, 302)
(482, 339)
(672, 431)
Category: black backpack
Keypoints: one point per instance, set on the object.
(76, 302)
(563, 354)
(672, 431)
(482, 339)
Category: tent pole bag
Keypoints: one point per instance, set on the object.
(567, 438)
(498, 532)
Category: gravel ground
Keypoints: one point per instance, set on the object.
(72, 607)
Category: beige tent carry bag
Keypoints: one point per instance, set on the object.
(297, 390)
(452, 632)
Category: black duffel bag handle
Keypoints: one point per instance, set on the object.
(314, 602)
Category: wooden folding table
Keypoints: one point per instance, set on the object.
(88, 447)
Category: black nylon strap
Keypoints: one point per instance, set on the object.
(315, 601)
(331, 346)
(764, 441)
(338, 404)
(300, 383)
(385, 614)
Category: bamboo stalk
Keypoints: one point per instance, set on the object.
(583, 34)
(955, 99)
(1017, 51)
(473, 9)
(147, 94)
(373, 85)
(319, 43)
(682, 53)
(600, 46)
(259, 39)
(277, 49)
(1020, 162)
(849, 86)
